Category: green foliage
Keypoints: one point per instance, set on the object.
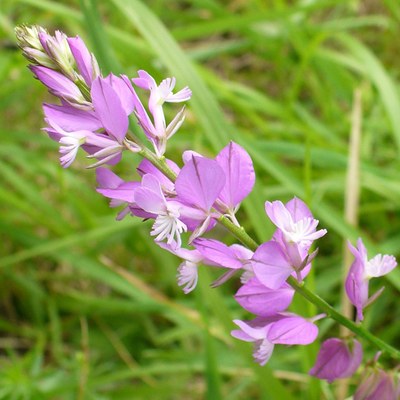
(89, 306)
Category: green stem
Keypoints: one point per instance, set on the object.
(159, 163)
(240, 233)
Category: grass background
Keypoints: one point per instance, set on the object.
(89, 307)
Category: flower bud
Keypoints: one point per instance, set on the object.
(376, 385)
(336, 359)
(31, 46)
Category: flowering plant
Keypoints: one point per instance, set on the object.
(186, 202)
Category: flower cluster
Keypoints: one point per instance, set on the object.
(94, 115)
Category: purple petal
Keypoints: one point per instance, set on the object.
(254, 297)
(125, 192)
(380, 265)
(249, 333)
(149, 201)
(270, 265)
(107, 179)
(217, 252)
(357, 287)
(292, 330)
(70, 118)
(84, 60)
(241, 252)
(57, 83)
(298, 209)
(239, 172)
(335, 360)
(124, 90)
(146, 167)
(145, 80)
(109, 110)
(200, 182)
(189, 154)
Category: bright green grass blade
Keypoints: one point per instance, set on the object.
(375, 71)
(53, 246)
(203, 103)
(102, 49)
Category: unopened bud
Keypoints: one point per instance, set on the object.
(29, 42)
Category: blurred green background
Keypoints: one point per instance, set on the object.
(89, 307)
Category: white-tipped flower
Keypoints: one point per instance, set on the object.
(32, 48)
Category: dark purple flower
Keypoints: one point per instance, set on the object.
(337, 359)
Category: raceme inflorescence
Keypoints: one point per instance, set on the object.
(93, 114)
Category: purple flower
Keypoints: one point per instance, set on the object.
(197, 186)
(296, 229)
(168, 225)
(239, 173)
(376, 385)
(361, 271)
(157, 130)
(281, 328)
(337, 359)
(287, 254)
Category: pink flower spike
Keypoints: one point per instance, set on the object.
(337, 359)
